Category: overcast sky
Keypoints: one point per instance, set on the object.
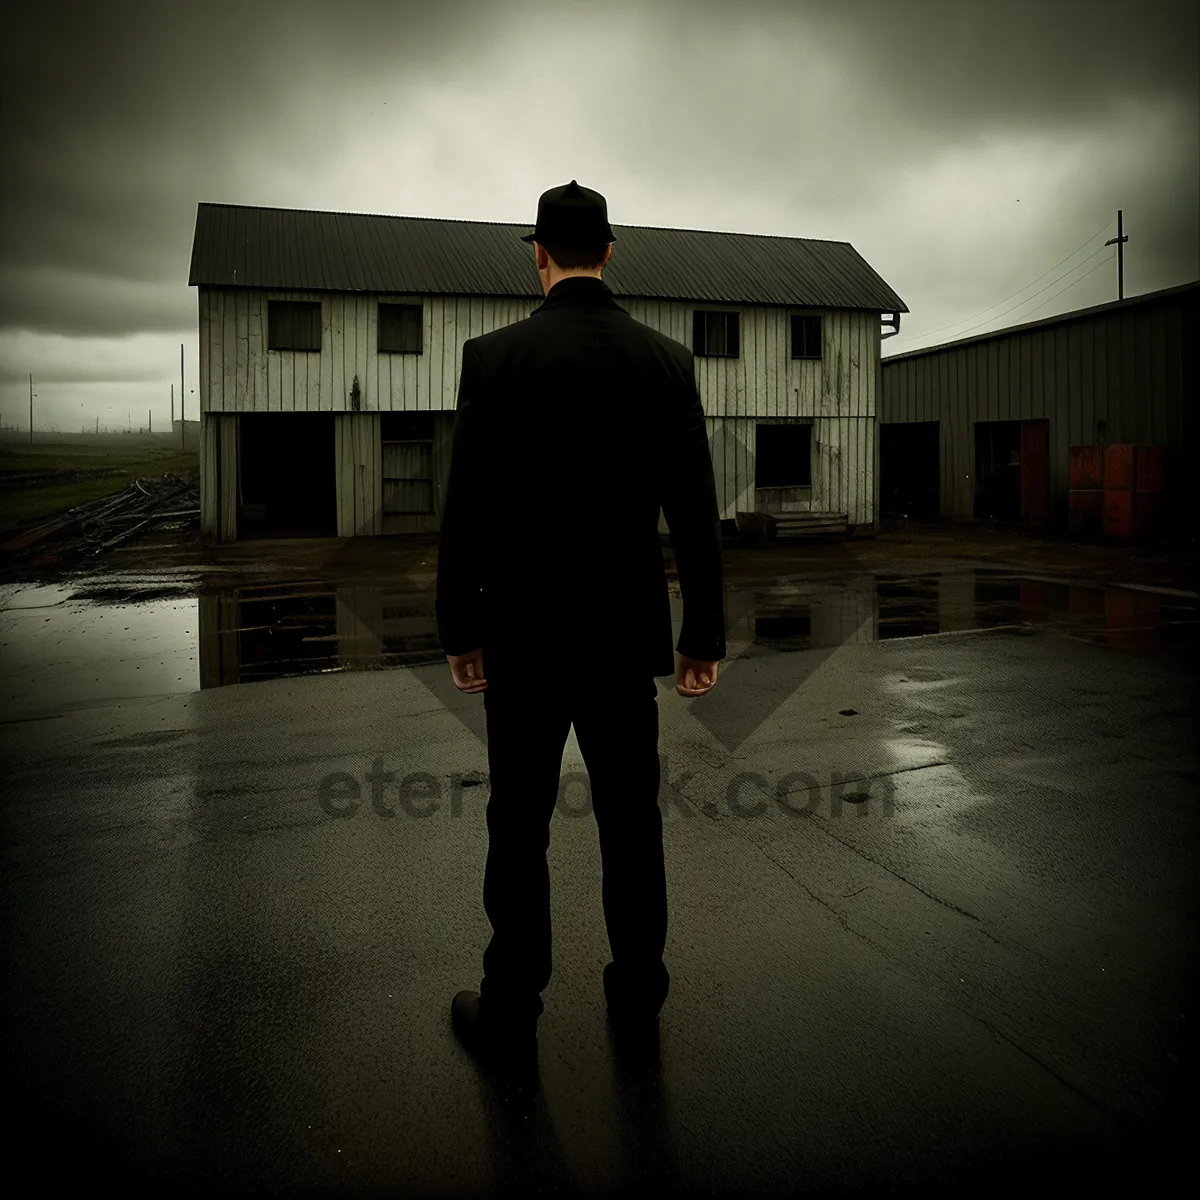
(965, 149)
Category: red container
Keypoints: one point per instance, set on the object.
(1086, 467)
(1148, 468)
(1118, 512)
(1118, 467)
(1086, 511)
(1147, 512)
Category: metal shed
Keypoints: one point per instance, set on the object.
(984, 427)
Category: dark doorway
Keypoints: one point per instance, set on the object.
(910, 468)
(1012, 470)
(998, 470)
(286, 475)
(1035, 470)
(782, 454)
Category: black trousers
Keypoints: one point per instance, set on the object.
(529, 716)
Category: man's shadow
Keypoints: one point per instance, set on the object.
(639, 1094)
(527, 1154)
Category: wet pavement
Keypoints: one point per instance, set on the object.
(69, 645)
(930, 843)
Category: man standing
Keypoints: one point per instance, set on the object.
(573, 428)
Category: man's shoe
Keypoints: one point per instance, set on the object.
(502, 1045)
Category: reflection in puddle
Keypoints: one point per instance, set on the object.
(790, 617)
(59, 652)
(268, 632)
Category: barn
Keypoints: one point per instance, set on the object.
(1081, 422)
(330, 345)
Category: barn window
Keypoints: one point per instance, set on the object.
(293, 325)
(783, 455)
(715, 334)
(400, 328)
(806, 337)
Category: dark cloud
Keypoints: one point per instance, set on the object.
(888, 124)
(55, 301)
(118, 118)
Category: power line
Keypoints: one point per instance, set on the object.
(1069, 286)
(954, 324)
(1052, 282)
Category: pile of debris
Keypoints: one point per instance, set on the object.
(100, 524)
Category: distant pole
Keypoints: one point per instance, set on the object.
(149, 420)
(182, 424)
(97, 426)
(172, 406)
(31, 409)
(1120, 240)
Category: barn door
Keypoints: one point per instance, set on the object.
(408, 476)
(1035, 442)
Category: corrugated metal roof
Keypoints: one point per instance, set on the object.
(1046, 322)
(240, 245)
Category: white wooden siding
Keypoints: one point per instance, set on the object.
(844, 468)
(218, 476)
(239, 374)
(838, 392)
(359, 474)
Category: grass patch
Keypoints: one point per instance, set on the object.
(41, 503)
(185, 464)
(79, 474)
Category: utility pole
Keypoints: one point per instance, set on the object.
(149, 420)
(182, 421)
(172, 407)
(1120, 240)
(31, 409)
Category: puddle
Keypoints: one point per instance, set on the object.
(60, 651)
(793, 617)
(270, 631)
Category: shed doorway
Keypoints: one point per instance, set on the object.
(910, 468)
(287, 484)
(1011, 470)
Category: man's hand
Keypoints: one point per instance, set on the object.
(695, 676)
(467, 671)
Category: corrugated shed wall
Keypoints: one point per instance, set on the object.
(1126, 367)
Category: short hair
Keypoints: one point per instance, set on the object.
(569, 257)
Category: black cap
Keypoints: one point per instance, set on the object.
(571, 216)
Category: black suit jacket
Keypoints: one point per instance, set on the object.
(573, 427)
